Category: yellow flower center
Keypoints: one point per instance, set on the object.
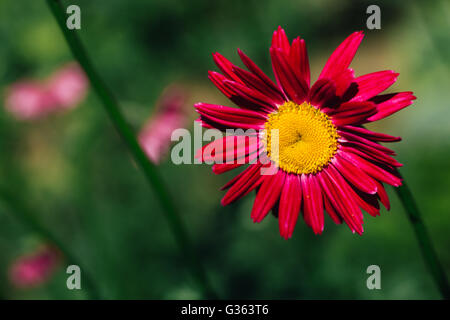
(307, 139)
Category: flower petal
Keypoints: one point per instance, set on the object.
(370, 135)
(240, 99)
(339, 199)
(218, 79)
(219, 168)
(229, 149)
(226, 66)
(371, 84)
(355, 175)
(295, 55)
(290, 202)
(390, 103)
(370, 153)
(252, 67)
(323, 94)
(367, 202)
(352, 112)
(280, 40)
(295, 89)
(341, 183)
(222, 117)
(332, 212)
(253, 98)
(267, 195)
(357, 138)
(341, 58)
(382, 195)
(298, 58)
(343, 81)
(312, 203)
(256, 83)
(372, 169)
(243, 184)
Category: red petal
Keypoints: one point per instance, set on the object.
(370, 135)
(226, 66)
(229, 149)
(343, 81)
(383, 195)
(371, 169)
(339, 199)
(294, 88)
(239, 97)
(258, 100)
(255, 82)
(371, 84)
(218, 79)
(312, 203)
(298, 58)
(390, 103)
(290, 203)
(355, 175)
(223, 117)
(370, 153)
(252, 67)
(242, 184)
(280, 40)
(367, 202)
(267, 195)
(347, 190)
(341, 58)
(357, 138)
(322, 94)
(331, 210)
(219, 168)
(352, 112)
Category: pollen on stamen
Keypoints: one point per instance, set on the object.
(307, 139)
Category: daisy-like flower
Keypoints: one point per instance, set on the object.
(326, 160)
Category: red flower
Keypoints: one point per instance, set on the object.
(326, 160)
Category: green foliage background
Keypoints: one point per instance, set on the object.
(75, 175)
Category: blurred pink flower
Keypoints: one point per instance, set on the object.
(31, 99)
(27, 100)
(68, 86)
(170, 114)
(34, 269)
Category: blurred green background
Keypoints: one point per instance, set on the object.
(75, 175)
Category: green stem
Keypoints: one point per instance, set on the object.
(428, 251)
(22, 212)
(125, 131)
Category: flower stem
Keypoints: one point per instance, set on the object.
(22, 212)
(428, 251)
(125, 131)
